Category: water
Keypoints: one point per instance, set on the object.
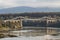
(46, 37)
(31, 35)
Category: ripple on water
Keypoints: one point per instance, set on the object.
(33, 38)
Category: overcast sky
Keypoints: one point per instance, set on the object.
(30, 3)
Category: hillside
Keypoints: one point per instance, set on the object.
(28, 9)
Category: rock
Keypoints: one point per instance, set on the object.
(2, 35)
(12, 35)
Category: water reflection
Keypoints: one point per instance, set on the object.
(29, 32)
(32, 35)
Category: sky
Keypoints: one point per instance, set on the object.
(30, 3)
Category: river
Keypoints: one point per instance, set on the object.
(31, 35)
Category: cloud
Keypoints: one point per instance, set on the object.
(31, 3)
(48, 0)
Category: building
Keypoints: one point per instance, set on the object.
(13, 24)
